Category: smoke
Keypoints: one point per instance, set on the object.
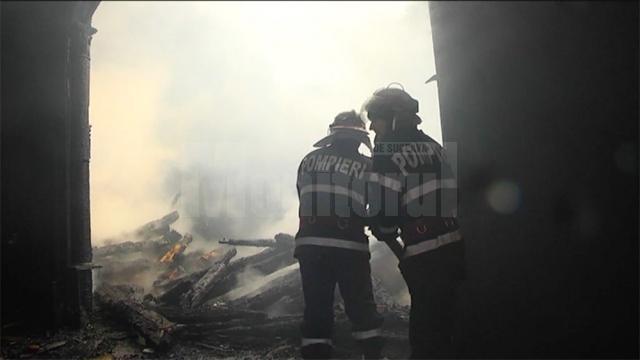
(140, 269)
(219, 198)
(127, 163)
(384, 266)
(251, 280)
(208, 107)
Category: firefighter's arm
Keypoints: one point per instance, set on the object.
(389, 235)
(385, 188)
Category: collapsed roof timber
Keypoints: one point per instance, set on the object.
(199, 294)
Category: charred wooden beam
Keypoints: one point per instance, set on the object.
(169, 292)
(157, 227)
(241, 263)
(279, 259)
(230, 276)
(252, 242)
(122, 248)
(285, 240)
(198, 293)
(226, 278)
(177, 249)
(209, 314)
(275, 327)
(244, 329)
(148, 323)
(158, 244)
(152, 235)
(288, 285)
(279, 240)
(266, 261)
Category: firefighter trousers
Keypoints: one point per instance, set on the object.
(321, 270)
(433, 279)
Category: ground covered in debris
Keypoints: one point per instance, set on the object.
(159, 294)
(106, 338)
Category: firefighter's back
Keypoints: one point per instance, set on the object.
(331, 245)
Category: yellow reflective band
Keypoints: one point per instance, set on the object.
(333, 189)
(361, 335)
(427, 188)
(390, 183)
(331, 242)
(311, 341)
(432, 244)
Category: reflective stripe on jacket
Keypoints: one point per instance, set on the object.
(415, 191)
(332, 189)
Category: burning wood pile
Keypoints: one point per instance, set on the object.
(164, 290)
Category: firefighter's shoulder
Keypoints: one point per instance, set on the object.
(312, 155)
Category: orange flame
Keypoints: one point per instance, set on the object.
(170, 256)
(208, 256)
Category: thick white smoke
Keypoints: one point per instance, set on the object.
(218, 102)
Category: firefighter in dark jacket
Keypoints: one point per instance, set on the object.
(331, 246)
(414, 197)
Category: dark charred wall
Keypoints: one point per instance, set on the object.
(542, 101)
(46, 246)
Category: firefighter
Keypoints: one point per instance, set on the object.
(414, 198)
(331, 245)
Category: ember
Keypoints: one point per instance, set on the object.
(208, 256)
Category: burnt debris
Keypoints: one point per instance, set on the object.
(167, 288)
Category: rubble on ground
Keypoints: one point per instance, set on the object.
(187, 302)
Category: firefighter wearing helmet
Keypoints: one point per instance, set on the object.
(410, 167)
(331, 246)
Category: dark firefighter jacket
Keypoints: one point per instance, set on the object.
(332, 189)
(413, 190)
